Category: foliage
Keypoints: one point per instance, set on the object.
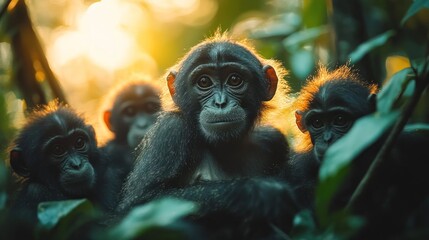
(391, 110)
(60, 219)
(366, 47)
(155, 216)
(414, 9)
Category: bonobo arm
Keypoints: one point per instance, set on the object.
(247, 204)
(28, 198)
(167, 158)
(275, 149)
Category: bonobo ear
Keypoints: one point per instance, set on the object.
(171, 78)
(106, 117)
(18, 164)
(298, 120)
(271, 76)
(91, 130)
(372, 101)
(91, 133)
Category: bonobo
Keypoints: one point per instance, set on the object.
(326, 109)
(56, 156)
(133, 108)
(209, 148)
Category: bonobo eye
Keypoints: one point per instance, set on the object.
(130, 111)
(341, 120)
(151, 107)
(204, 82)
(234, 80)
(80, 143)
(316, 123)
(58, 150)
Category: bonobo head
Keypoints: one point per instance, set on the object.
(57, 149)
(134, 107)
(222, 86)
(330, 103)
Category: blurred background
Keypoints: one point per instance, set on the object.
(76, 50)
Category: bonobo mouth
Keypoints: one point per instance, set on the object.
(223, 125)
(228, 121)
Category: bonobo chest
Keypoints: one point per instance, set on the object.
(245, 160)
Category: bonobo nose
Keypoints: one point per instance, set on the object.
(76, 164)
(327, 136)
(220, 104)
(220, 101)
(142, 122)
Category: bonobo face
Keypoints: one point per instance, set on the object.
(221, 86)
(220, 92)
(332, 112)
(134, 111)
(58, 150)
(69, 155)
(327, 126)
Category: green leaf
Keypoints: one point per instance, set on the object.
(303, 222)
(415, 7)
(337, 160)
(417, 128)
(364, 132)
(314, 13)
(153, 214)
(302, 63)
(392, 91)
(369, 45)
(3, 199)
(300, 38)
(325, 191)
(51, 213)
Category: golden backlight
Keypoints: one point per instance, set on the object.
(104, 33)
(102, 42)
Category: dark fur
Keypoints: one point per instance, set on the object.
(182, 156)
(46, 180)
(133, 108)
(396, 190)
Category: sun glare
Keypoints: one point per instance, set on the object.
(108, 37)
(189, 12)
(68, 46)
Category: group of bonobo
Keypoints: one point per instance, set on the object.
(213, 150)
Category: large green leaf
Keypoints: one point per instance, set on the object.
(369, 45)
(391, 92)
(337, 160)
(364, 132)
(158, 213)
(297, 39)
(415, 7)
(51, 213)
(325, 191)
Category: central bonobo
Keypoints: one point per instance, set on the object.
(211, 149)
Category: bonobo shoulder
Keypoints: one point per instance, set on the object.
(268, 135)
(170, 123)
(273, 145)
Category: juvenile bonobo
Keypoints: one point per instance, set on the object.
(133, 108)
(210, 147)
(56, 156)
(326, 109)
